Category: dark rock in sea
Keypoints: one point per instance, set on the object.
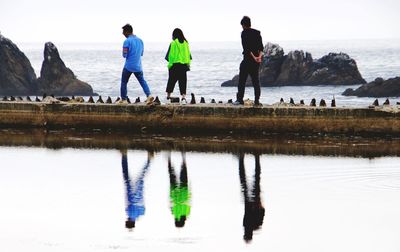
(377, 88)
(109, 100)
(5, 98)
(212, 100)
(56, 78)
(100, 100)
(291, 101)
(28, 98)
(387, 102)
(37, 99)
(12, 98)
(333, 102)
(128, 100)
(230, 101)
(17, 76)
(193, 100)
(376, 103)
(90, 100)
(281, 100)
(298, 68)
(322, 103)
(313, 102)
(202, 100)
(136, 101)
(301, 102)
(157, 101)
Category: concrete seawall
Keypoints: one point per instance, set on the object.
(202, 118)
(271, 144)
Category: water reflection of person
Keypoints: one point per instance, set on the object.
(253, 208)
(134, 190)
(179, 193)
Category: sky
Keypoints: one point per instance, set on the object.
(99, 21)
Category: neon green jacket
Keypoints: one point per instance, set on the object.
(180, 199)
(178, 53)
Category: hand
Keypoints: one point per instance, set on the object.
(257, 59)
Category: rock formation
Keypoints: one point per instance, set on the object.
(377, 88)
(17, 76)
(298, 68)
(56, 78)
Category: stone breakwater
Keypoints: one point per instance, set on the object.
(202, 118)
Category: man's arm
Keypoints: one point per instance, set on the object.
(245, 44)
(167, 55)
(125, 49)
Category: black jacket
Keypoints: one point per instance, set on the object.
(251, 42)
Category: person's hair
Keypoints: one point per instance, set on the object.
(246, 21)
(178, 34)
(181, 222)
(127, 28)
(129, 223)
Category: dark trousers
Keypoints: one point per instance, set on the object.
(177, 73)
(246, 69)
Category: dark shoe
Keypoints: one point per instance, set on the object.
(257, 104)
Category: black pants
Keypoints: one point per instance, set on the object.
(177, 73)
(246, 69)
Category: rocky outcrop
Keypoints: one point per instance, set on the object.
(56, 78)
(17, 76)
(377, 88)
(298, 68)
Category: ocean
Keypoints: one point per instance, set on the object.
(100, 65)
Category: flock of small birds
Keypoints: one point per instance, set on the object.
(109, 100)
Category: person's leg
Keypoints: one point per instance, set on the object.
(255, 79)
(183, 176)
(172, 78)
(182, 80)
(124, 81)
(172, 176)
(243, 73)
(143, 83)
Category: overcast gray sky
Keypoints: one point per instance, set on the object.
(201, 20)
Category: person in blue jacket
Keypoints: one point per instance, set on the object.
(133, 49)
(134, 190)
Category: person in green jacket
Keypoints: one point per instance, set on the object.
(178, 57)
(179, 193)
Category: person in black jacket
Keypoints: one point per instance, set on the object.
(252, 57)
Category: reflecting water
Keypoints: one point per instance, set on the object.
(134, 190)
(253, 209)
(77, 200)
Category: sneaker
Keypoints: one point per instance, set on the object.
(123, 101)
(257, 104)
(237, 102)
(183, 101)
(149, 99)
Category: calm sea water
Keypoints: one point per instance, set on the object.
(100, 65)
(80, 199)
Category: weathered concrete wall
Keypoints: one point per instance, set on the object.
(269, 144)
(202, 118)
